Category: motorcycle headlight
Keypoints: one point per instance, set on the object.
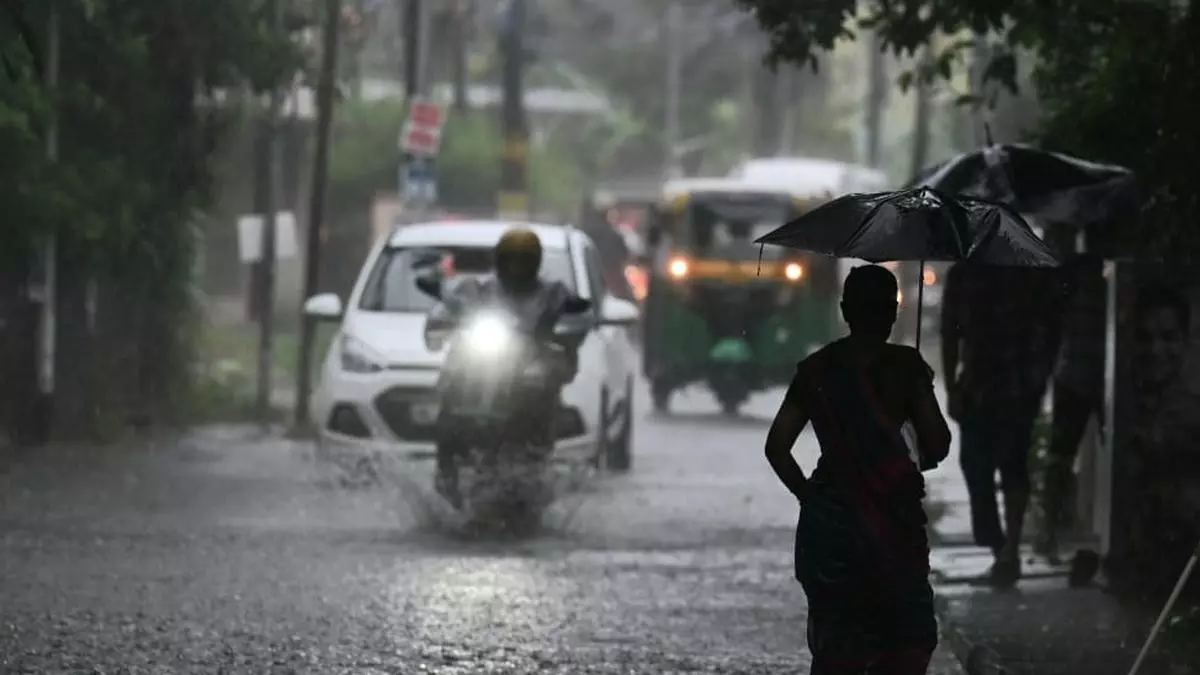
(357, 357)
(488, 336)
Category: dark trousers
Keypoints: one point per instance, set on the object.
(995, 438)
(1072, 412)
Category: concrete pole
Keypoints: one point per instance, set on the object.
(48, 319)
(513, 200)
(266, 306)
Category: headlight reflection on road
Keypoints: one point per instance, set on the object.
(471, 597)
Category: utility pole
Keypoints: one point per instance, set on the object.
(514, 170)
(674, 89)
(415, 29)
(316, 205)
(458, 28)
(268, 166)
(48, 317)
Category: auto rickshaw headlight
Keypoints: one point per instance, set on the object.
(678, 268)
(794, 272)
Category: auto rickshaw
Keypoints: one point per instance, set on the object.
(722, 310)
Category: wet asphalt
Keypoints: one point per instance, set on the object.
(229, 552)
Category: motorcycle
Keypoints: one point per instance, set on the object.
(505, 369)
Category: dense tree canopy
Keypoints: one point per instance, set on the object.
(1114, 79)
(136, 122)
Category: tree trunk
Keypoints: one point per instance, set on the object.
(877, 90)
(767, 107)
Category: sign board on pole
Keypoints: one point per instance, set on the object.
(250, 237)
(422, 132)
(420, 181)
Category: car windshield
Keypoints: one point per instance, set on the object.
(392, 286)
(725, 227)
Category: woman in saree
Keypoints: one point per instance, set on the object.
(862, 550)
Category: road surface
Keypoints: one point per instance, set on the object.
(223, 553)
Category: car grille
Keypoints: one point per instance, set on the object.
(395, 409)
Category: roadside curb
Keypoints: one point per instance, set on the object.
(976, 659)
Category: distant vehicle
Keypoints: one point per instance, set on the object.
(812, 175)
(377, 389)
(836, 179)
(722, 310)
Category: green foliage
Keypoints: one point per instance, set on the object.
(136, 131)
(365, 161)
(1113, 77)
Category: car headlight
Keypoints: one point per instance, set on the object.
(488, 336)
(357, 357)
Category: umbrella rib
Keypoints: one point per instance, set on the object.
(861, 229)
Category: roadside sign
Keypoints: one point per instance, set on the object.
(250, 229)
(420, 181)
(422, 132)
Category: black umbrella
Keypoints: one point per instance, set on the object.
(1050, 186)
(919, 224)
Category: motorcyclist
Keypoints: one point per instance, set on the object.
(517, 284)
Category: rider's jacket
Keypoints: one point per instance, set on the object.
(543, 307)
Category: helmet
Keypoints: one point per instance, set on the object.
(518, 257)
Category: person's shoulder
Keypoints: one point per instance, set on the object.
(818, 357)
(908, 358)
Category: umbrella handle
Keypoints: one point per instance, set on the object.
(987, 134)
(920, 301)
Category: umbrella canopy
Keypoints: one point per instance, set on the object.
(1050, 186)
(918, 224)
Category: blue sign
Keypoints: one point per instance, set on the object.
(419, 178)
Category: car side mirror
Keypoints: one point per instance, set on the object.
(326, 306)
(617, 312)
(430, 284)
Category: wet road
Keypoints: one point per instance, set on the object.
(223, 554)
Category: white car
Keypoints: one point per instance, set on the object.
(377, 386)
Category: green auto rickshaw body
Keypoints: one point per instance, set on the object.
(719, 310)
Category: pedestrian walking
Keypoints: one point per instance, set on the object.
(1000, 335)
(1078, 395)
(862, 551)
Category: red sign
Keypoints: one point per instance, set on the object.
(425, 114)
(420, 142)
(422, 132)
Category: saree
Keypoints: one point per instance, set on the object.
(862, 550)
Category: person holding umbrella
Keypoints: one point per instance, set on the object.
(862, 552)
(1000, 337)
